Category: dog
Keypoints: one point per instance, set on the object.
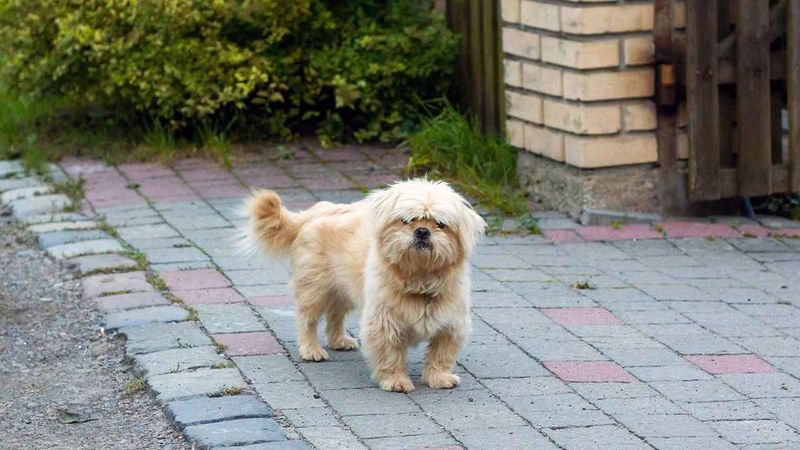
(400, 255)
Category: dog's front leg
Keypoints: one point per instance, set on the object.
(385, 351)
(439, 360)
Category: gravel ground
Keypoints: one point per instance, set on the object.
(53, 358)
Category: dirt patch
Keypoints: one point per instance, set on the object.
(56, 366)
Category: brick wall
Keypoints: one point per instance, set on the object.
(579, 80)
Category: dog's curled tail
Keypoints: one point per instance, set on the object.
(271, 226)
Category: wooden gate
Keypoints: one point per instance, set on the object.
(737, 67)
(479, 72)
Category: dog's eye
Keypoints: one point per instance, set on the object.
(405, 221)
(441, 225)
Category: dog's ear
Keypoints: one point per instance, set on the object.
(472, 226)
(383, 203)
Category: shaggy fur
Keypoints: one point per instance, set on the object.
(400, 255)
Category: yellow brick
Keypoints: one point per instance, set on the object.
(607, 85)
(545, 142)
(581, 118)
(524, 106)
(679, 14)
(541, 79)
(521, 43)
(580, 54)
(640, 116)
(590, 152)
(639, 50)
(515, 133)
(512, 71)
(539, 15)
(509, 9)
(607, 19)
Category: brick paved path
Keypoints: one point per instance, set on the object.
(683, 341)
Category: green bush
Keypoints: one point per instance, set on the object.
(350, 69)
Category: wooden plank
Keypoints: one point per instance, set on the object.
(779, 180)
(776, 128)
(488, 45)
(476, 61)
(777, 68)
(498, 63)
(458, 20)
(727, 118)
(754, 157)
(793, 92)
(702, 97)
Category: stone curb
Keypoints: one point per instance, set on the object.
(199, 391)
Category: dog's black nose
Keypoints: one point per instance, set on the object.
(422, 233)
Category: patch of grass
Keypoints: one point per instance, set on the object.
(659, 229)
(286, 152)
(215, 142)
(175, 369)
(157, 143)
(710, 238)
(120, 292)
(133, 386)
(227, 391)
(157, 282)
(192, 314)
(225, 365)
(451, 146)
(618, 223)
(581, 285)
(136, 255)
(72, 189)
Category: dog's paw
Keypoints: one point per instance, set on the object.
(344, 343)
(396, 383)
(441, 380)
(313, 354)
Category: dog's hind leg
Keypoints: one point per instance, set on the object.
(336, 313)
(310, 307)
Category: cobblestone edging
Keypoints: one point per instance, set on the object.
(201, 390)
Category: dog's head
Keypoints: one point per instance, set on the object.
(424, 224)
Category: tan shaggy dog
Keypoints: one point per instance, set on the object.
(400, 254)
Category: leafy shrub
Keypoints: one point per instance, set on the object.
(347, 68)
(451, 146)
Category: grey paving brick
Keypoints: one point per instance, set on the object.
(146, 232)
(95, 246)
(277, 445)
(756, 431)
(509, 438)
(668, 373)
(338, 374)
(189, 265)
(785, 409)
(332, 438)
(93, 263)
(174, 386)
(642, 405)
(162, 336)
(378, 426)
(153, 243)
(198, 222)
(174, 255)
(499, 361)
(234, 432)
(268, 368)
(760, 385)
(43, 204)
(289, 394)
(251, 277)
(644, 356)
(560, 350)
(350, 402)
(312, 417)
(7, 184)
(52, 238)
(595, 437)
(771, 346)
(600, 391)
(106, 284)
(48, 219)
(178, 360)
(664, 425)
(121, 302)
(142, 316)
(558, 410)
(226, 318)
(24, 192)
(419, 441)
(513, 387)
(204, 410)
(683, 443)
(697, 391)
(733, 410)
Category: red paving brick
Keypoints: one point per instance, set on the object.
(562, 236)
(195, 279)
(753, 230)
(720, 364)
(698, 229)
(209, 296)
(589, 371)
(788, 232)
(581, 316)
(603, 233)
(243, 344)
